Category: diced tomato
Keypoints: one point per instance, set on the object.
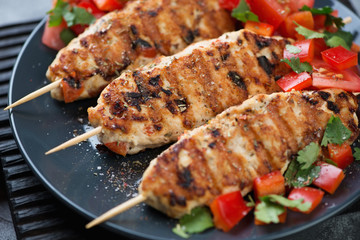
(271, 183)
(91, 8)
(71, 92)
(260, 28)
(355, 47)
(329, 178)
(117, 147)
(229, 4)
(296, 81)
(228, 209)
(303, 18)
(108, 5)
(341, 154)
(340, 58)
(268, 11)
(326, 76)
(295, 5)
(78, 28)
(307, 50)
(319, 21)
(320, 46)
(149, 52)
(309, 194)
(51, 36)
(282, 219)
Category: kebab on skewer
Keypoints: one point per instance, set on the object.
(244, 142)
(153, 105)
(127, 39)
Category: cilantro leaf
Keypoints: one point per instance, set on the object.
(330, 20)
(197, 221)
(290, 203)
(267, 211)
(340, 37)
(335, 132)
(292, 49)
(316, 11)
(307, 33)
(357, 154)
(67, 35)
(298, 66)
(242, 13)
(82, 16)
(56, 14)
(304, 177)
(308, 155)
(331, 162)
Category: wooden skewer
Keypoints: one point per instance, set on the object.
(116, 210)
(75, 140)
(35, 94)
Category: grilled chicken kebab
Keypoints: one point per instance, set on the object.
(153, 105)
(131, 37)
(244, 142)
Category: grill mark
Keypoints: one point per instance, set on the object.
(237, 80)
(310, 100)
(154, 81)
(72, 82)
(167, 92)
(333, 107)
(324, 95)
(118, 108)
(262, 42)
(266, 65)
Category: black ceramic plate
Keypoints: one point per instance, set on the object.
(92, 182)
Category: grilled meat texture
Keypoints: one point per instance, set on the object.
(240, 144)
(152, 106)
(128, 38)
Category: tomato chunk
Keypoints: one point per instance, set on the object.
(71, 90)
(51, 36)
(303, 18)
(108, 5)
(340, 58)
(307, 51)
(260, 28)
(228, 209)
(341, 154)
(326, 76)
(117, 147)
(268, 11)
(271, 183)
(295, 81)
(295, 5)
(309, 194)
(229, 4)
(330, 178)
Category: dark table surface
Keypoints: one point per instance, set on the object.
(343, 226)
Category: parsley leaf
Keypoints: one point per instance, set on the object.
(308, 155)
(242, 13)
(307, 33)
(72, 15)
(335, 132)
(357, 154)
(292, 49)
(197, 221)
(271, 206)
(330, 19)
(298, 66)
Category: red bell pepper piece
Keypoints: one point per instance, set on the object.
(228, 209)
(309, 194)
(108, 5)
(303, 18)
(341, 154)
(307, 51)
(268, 11)
(326, 76)
(296, 81)
(229, 4)
(260, 28)
(71, 92)
(329, 178)
(271, 183)
(340, 58)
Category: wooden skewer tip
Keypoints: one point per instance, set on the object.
(75, 140)
(116, 211)
(35, 94)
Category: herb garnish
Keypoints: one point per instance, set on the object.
(292, 49)
(242, 13)
(357, 154)
(298, 66)
(197, 221)
(330, 19)
(271, 206)
(335, 132)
